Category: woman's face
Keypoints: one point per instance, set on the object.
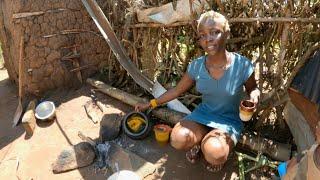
(212, 37)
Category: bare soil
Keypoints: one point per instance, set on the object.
(23, 157)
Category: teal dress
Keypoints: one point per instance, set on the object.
(220, 98)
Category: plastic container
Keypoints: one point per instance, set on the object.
(162, 132)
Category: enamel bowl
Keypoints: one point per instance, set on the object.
(45, 111)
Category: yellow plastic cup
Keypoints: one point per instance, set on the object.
(162, 132)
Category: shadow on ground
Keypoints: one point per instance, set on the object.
(40, 150)
(8, 105)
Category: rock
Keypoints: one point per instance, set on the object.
(77, 156)
(126, 160)
(48, 70)
(36, 63)
(28, 119)
(93, 111)
(110, 127)
(54, 55)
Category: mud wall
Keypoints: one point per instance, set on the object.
(60, 40)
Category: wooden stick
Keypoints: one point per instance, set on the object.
(38, 13)
(72, 31)
(86, 139)
(81, 68)
(26, 14)
(19, 109)
(235, 20)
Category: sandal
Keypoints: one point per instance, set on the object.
(193, 154)
(214, 168)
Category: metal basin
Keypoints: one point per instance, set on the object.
(45, 111)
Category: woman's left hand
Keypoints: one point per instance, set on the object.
(254, 96)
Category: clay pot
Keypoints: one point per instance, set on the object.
(247, 108)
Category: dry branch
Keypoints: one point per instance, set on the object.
(71, 31)
(235, 20)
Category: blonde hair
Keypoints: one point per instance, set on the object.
(216, 17)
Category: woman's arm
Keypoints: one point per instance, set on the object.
(183, 85)
(251, 88)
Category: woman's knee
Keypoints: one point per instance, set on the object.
(181, 137)
(215, 149)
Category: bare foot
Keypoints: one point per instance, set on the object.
(193, 154)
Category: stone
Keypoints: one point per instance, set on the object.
(127, 160)
(36, 63)
(24, 23)
(41, 52)
(32, 87)
(73, 5)
(54, 55)
(48, 69)
(42, 42)
(93, 111)
(110, 127)
(40, 19)
(37, 75)
(46, 51)
(59, 24)
(45, 28)
(28, 119)
(73, 157)
(49, 84)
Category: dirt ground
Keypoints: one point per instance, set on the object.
(28, 158)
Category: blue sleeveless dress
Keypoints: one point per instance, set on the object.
(220, 98)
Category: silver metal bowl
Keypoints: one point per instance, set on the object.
(45, 111)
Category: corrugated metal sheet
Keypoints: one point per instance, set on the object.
(307, 80)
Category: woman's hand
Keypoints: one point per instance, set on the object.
(140, 107)
(252, 90)
(255, 95)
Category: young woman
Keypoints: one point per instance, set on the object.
(214, 127)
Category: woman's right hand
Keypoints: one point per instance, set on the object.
(140, 107)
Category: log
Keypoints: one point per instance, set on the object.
(170, 116)
(271, 148)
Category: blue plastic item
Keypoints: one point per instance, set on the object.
(282, 169)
